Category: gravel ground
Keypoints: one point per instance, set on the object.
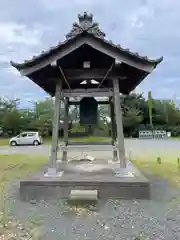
(115, 220)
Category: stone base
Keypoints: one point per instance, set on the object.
(114, 161)
(52, 173)
(83, 195)
(109, 181)
(124, 172)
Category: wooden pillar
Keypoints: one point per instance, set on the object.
(119, 124)
(55, 129)
(113, 127)
(66, 127)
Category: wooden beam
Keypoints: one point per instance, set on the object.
(89, 74)
(97, 92)
(55, 131)
(66, 127)
(113, 121)
(88, 94)
(99, 102)
(81, 148)
(119, 124)
(82, 90)
(113, 128)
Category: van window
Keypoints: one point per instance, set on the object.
(31, 134)
(23, 135)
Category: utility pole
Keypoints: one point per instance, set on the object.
(150, 108)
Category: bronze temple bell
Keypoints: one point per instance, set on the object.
(88, 111)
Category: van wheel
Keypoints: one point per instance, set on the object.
(35, 143)
(13, 143)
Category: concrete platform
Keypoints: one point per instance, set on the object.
(106, 178)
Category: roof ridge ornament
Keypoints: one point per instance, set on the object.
(85, 24)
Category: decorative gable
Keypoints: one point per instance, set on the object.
(85, 24)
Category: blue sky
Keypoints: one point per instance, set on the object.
(150, 27)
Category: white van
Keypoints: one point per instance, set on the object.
(26, 138)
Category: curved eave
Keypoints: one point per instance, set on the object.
(18, 66)
(49, 52)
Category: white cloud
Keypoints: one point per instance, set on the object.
(149, 27)
(11, 32)
(17, 42)
(56, 5)
(12, 70)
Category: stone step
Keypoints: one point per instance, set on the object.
(87, 195)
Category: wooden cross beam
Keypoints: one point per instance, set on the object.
(97, 92)
(89, 74)
(78, 103)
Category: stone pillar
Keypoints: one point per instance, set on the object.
(55, 130)
(113, 127)
(119, 124)
(66, 127)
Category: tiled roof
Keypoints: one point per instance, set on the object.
(47, 53)
(86, 27)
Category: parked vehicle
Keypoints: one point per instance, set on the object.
(26, 138)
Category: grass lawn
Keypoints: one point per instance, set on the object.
(4, 141)
(17, 166)
(168, 169)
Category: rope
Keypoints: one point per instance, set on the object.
(106, 75)
(64, 76)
